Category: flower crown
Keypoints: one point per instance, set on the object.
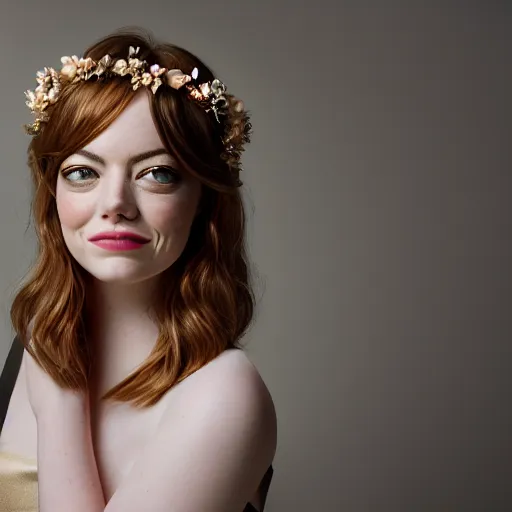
(211, 96)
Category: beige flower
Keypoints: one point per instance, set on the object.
(205, 89)
(176, 78)
(84, 68)
(70, 60)
(47, 92)
(218, 87)
(120, 67)
(87, 64)
(146, 78)
(69, 71)
(70, 66)
(44, 77)
(53, 95)
(136, 82)
(157, 82)
(136, 64)
(104, 63)
(31, 99)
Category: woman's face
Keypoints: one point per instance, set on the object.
(125, 181)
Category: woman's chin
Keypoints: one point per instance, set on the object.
(120, 275)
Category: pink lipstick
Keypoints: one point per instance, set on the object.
(119, 240)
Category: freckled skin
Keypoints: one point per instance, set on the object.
(116, 196)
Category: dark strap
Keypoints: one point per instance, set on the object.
(264, 486)
(9, 376)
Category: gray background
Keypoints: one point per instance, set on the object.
(378, 185)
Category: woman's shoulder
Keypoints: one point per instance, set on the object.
(221, 420)
(228, 385)
(230, 369)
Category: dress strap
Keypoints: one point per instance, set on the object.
(263, 491)
(265, 485)
(8, 377)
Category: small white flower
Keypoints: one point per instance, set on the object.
(133, 51)
(69, 70)
(53, 95)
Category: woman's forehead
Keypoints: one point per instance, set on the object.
(132, 133)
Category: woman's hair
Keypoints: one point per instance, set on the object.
(205, 302)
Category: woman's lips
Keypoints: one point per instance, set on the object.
(119, 244)
(118, 240)
(116, 235)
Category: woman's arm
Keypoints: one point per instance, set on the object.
(67, 472)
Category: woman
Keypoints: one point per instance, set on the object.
(133, 392)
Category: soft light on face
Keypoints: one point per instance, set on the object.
(125, 181)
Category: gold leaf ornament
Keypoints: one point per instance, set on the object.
(120, 67)
(176, 78)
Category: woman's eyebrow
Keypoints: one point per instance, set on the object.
(133, 160)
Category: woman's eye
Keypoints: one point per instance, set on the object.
(162, 175)
(79, 174)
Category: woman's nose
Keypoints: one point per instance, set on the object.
(118, 198)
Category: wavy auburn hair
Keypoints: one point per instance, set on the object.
(206, 301)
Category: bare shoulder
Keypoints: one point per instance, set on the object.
(230, 376)
(230, 364)
(229, 391)
(234, 362)
(213, 445)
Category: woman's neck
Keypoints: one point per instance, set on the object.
(121, 330)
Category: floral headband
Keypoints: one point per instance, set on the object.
(211, 96)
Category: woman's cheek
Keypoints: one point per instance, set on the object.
(175, 219)
(73, 210)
